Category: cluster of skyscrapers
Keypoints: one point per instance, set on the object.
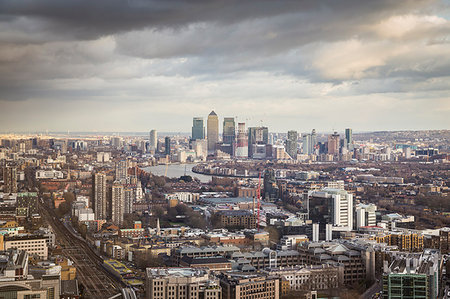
(257, 143)
(254, 142)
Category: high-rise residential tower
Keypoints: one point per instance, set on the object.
(121, 170)
(212, 132)
(306, 139)
(333, 144)
(153, 140)
(309, 142)
(167, 145)
(349, 139)
(242, 142)
(257, 135)
(198, 128)
(117, 203)
(313, 141)
(10, 179)
(291, 144)
(100, 196)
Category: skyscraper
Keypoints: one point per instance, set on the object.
(198, 128)
(309, 142)
(121, 170)
(242, 142)
(313, 141)
(229, 130)
(213, 132)
(100, 196)
(349, 139)
(153, 139)
(291, 144)
(10, 179)
(117, 203)
(167, 145)
(333, 144)
(229, 135)
(257, 135)
(306, 139)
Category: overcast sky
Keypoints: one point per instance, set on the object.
(112, 65)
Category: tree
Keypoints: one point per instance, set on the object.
(83, 230)
(63, 208)
(274, 234)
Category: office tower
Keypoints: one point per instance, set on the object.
(331, 205)
(167, 145)
(342, 207)
(121, 170)
(229, 130)
(116, 142)
(10, 179)
(366, 215)
(257, 136)
(100, 196)
(153, 139)
(349, 139)
(229, 135)
(198, 128)
(306, 144)
(242, 142)
(213, 132)
(333, 144)
(117, 203)
(313, 143)
(291, 144)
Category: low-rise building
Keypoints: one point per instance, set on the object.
(238, 219)
(310, 278)
(206, 251)
(215, 263)
(413, 276)
(358, 260)
(249, 286)
(181, 283)
(33, 245)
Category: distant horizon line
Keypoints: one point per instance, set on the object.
(189, 133)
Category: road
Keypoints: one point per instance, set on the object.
(370, 292)
(97, 282)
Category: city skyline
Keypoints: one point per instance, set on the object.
(131, 66)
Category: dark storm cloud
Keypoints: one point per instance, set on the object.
(90, 19)
(179, 57)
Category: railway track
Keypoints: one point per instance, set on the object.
(97, 281)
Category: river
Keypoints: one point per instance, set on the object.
(177, 170)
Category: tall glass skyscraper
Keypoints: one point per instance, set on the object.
(229, 130)
(198, 129)
(349, 139)
(212, 132)
(167, 145)
(291, 144)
